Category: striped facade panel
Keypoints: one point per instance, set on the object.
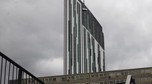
(93, 53)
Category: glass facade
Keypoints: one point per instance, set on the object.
(84, 42)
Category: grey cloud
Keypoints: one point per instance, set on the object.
(127, 29)
(31, 33)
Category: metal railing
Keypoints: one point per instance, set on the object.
(12, 73)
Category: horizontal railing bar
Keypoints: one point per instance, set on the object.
(17, 65)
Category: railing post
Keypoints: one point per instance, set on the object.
(20, 76)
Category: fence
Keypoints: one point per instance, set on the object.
(12, 73)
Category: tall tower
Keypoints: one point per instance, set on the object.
(83, 40)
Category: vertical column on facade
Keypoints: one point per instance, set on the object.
(82, 49)
(102, 44)
(85, 53)
(85, 40)
(79, 38)
(93, 56)
(99, 58)
(104, 66)
(89, 52)
(96, 56)
(70, 37)
(75, 59)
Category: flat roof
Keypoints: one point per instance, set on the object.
(100, 72)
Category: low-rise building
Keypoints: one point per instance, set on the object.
(141, 76)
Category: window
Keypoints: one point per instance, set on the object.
(105, 74)
(72, 77)
(87, 76)
(63, 79)
(81, 77)
(101, 75)
(101, 82)
(118, 74)
(92, 75)
(111, 82)
(126, 73)
(96, 75)
(50, 79)
(112, 75)
(54, 79)
(122, 73)
(46, 79)
(109, 77)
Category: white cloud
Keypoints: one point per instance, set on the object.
(45, 67)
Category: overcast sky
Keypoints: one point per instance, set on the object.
(31, 33)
